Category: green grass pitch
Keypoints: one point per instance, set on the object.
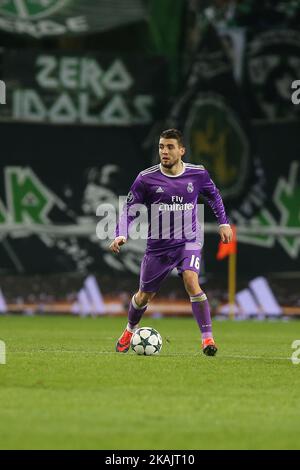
(64, 387)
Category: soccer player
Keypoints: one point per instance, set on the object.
(168, 189)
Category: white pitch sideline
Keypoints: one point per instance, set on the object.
(220, 356)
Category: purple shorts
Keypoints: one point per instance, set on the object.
(155, 268)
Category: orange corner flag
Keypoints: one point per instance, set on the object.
(226, 249)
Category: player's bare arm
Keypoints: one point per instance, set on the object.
(115, 246)
(225, 233)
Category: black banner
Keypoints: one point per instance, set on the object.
(54, 177)
(52, 181)
(89, 89)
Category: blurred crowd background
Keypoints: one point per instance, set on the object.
(90, 84)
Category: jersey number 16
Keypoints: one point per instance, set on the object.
(195, 261)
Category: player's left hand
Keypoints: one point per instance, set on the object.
(226, 234)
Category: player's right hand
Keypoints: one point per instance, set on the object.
(116, 244)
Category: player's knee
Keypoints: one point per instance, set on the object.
(142, 298)
(191, 284)
(192, 289)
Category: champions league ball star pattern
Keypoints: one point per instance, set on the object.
(146, 342)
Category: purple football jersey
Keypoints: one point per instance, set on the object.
(171, 203)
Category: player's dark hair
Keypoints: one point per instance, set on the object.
(173, 134)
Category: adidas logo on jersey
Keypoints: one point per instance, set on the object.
(159, 189)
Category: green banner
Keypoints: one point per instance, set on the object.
(45, 18)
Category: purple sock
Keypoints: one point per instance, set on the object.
(134, 314)
(200, 307)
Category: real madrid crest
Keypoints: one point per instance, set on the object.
(130, 197)
(190, 187)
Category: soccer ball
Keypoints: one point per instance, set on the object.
(146, 341)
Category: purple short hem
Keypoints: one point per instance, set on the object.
(155, 268)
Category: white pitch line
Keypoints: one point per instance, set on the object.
(254, 357)
(59, 351)
(219, 356)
